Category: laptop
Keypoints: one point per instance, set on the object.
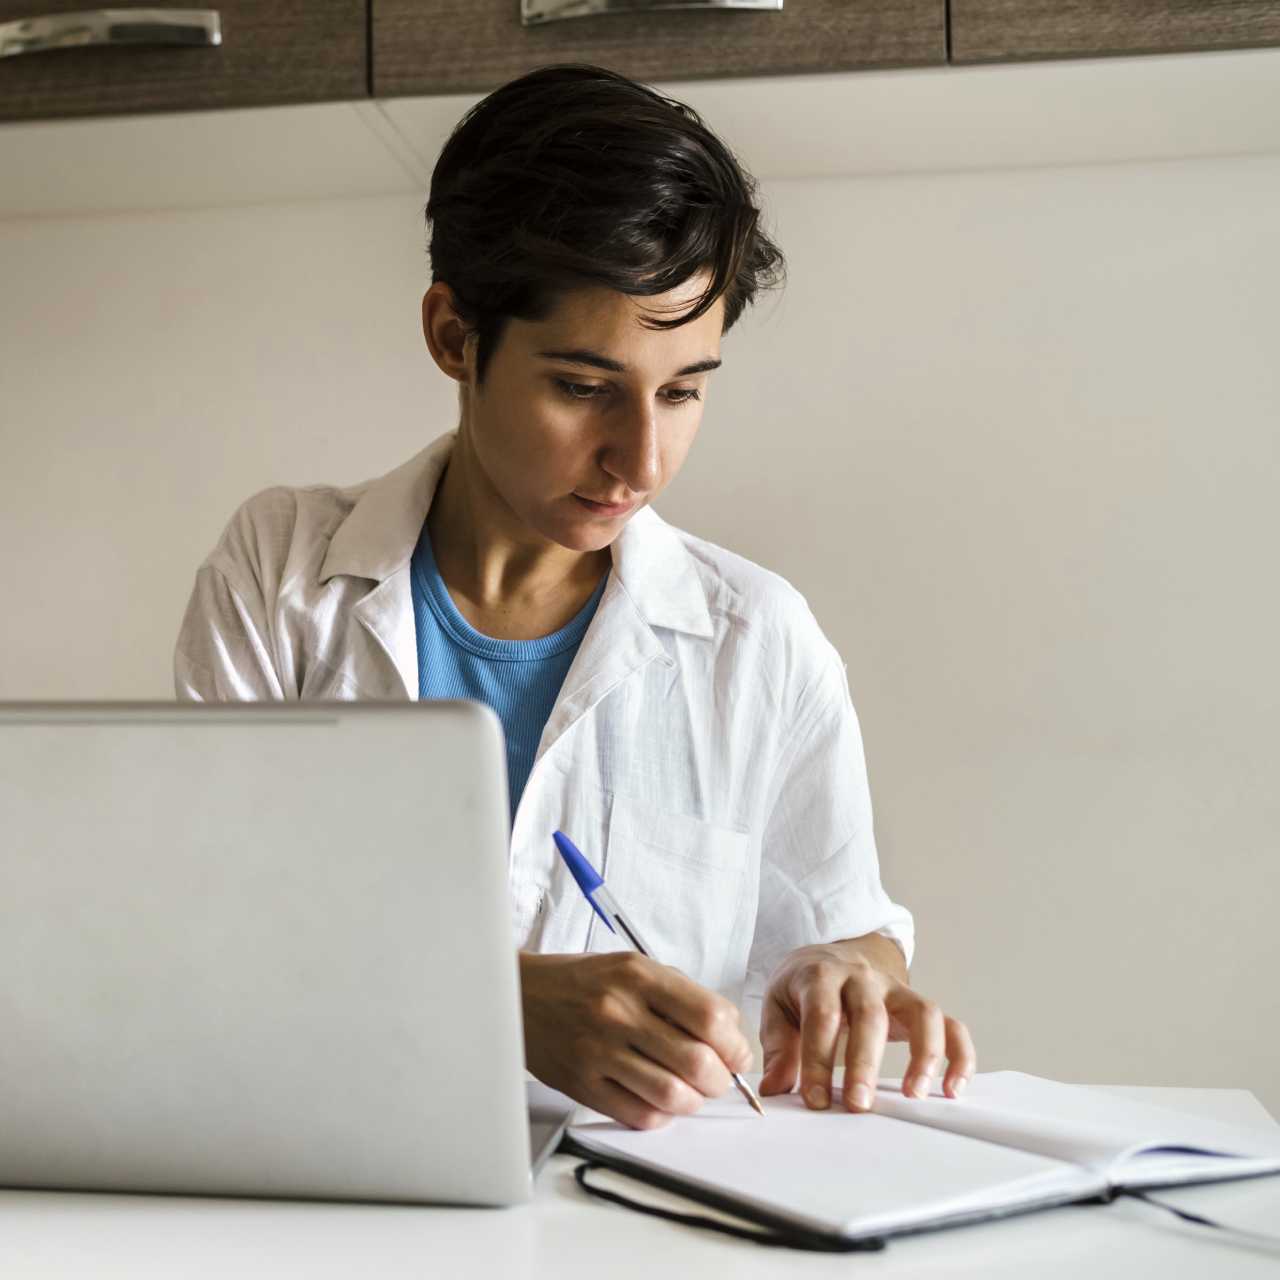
(262, 949)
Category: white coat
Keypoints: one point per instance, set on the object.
(703, 751)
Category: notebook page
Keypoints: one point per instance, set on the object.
(985, 1112)
(1165, 1167)
(838, 1171)
(1089, 1127)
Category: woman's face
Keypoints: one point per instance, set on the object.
(589, 407)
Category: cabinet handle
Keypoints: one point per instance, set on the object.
(533, 12)
(110, 26)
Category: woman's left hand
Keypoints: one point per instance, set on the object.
(818, 990)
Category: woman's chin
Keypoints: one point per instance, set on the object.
(583, 531)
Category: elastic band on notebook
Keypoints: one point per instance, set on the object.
(1254, 1237)
(777, 1239)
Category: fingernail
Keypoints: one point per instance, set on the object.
(921, 1087)
(862, 1097)
(817, 1096)
(959, 1086)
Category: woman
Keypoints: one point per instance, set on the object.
(672, 706)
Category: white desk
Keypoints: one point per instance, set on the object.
(566, 1235)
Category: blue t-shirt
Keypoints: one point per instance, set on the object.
(519, 679)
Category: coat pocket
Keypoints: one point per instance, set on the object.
(687, 883)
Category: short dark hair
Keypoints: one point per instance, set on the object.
(574, 175)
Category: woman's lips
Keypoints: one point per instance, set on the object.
(605, 508)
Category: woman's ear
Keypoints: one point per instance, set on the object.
(451, 343)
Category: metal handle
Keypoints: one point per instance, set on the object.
(201, 27)
(533, 12)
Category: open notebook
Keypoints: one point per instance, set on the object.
(1011, 1143)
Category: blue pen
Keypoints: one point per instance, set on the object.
(620, 922)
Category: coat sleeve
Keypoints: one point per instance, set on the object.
(230, 646)
(820, 872)
(223, 649)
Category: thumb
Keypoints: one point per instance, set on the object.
(780, 1040)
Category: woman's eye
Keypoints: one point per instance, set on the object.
(578, 390)
(585, 391)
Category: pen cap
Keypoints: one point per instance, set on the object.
(583, 872)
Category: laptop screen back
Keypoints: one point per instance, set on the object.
(259, 949)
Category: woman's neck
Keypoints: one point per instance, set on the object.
(506, 580)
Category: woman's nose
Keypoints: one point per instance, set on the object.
(632, 455)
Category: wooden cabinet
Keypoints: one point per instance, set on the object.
(1024, 30)
(296, 51)
(270, 53)
(456, 46)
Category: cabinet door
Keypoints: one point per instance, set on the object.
(453, 46)
(284, 51)
(1009, 30)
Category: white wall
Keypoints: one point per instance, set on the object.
(1013, 433)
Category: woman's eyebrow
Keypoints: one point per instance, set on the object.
(596, 360)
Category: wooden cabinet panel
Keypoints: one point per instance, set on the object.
(1024, 30)
(285, 51)
(455, 46)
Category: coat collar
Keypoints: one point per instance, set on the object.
(377, 538)
(379, 534)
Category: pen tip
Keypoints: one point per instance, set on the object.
(749, 1093)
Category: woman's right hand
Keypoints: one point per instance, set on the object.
(629, 1037)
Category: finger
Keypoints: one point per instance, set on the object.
(864, 1051)
(693, 1060)
(820, 1021)
(654, 1084)
(611, 1099)
(780, 1040)
(927, 1035)
(962, 1060)
(705, 1015)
